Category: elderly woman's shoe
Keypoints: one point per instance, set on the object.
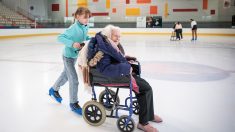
(146, 128)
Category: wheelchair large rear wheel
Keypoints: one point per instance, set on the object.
(94, 113)
(107, 101)
(125, 126)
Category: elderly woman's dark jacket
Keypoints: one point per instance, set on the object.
(113, 63)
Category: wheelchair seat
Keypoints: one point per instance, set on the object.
(96, 78)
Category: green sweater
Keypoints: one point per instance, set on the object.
(75, 33)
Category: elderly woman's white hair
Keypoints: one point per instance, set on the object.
(107, 30)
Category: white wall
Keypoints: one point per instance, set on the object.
(56, 15)
(23, 4)
(221, 14)
(225, 13)
(43, 8)
(201, 15)
(13, 4)
(40, 8)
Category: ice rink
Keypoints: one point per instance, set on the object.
(193, 84)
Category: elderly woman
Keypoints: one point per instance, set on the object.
(113, 63)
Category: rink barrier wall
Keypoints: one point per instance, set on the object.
(21, 33)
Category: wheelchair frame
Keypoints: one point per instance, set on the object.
(173, 36)
(125, 123)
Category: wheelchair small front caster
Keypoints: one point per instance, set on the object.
(125, 126)
(135, 107)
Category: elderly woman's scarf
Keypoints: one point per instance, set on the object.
(115, 45)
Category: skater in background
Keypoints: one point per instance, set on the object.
(72, 38)
(194, 29)
(178, 30)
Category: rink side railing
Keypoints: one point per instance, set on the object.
(19, 33)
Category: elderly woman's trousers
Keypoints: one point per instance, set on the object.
(145, 101)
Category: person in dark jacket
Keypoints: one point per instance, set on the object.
(114, 64)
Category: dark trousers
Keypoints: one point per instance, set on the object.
(179, 34)
(145, 100)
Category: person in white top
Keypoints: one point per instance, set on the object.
(194, 29)
(178, 30)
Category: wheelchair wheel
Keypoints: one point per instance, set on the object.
(94, 113)
(108, 101)
(136, 107)
(121, 124)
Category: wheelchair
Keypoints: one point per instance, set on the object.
(173, 36)
(94, 112)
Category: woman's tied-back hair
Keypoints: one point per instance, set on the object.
(81, 11)
(107, 30)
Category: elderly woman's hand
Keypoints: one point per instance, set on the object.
(131, 61)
